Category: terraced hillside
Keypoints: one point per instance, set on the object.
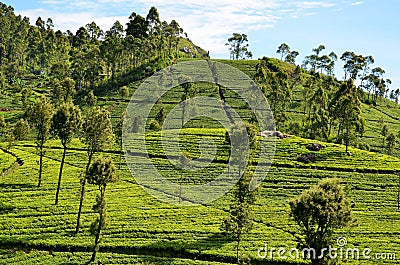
(384, 112)
(143, 230)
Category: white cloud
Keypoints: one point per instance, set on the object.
(308, 5)
(357, 3)
(72, 21)
(208, 23)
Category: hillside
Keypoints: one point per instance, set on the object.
(143, 229)
(384, 112)
(92, 68)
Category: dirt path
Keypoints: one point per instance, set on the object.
(19, 162)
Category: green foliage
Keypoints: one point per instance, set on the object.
(100, 173)
(391, 143)
(3, 124)
(160, 117)
(276, 88)
(346, 108)
(317, 212)
(241, 217)
(238, 47)
(90, 99)
(68, 88)
(124, 92)
(25, 95)
(97, 135)
(66, 122)
(97, 130)
(21, 130)
(154, 126)
(39, 116)
(287, 55)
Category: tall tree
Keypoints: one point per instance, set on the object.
(346, 108)
(238, 46)
(189, 90)
(137, 26)
(318, 212)
(283, 50)
(384, 133)
(118, 131)
(291, 57)
(21, 130)
(39, 115)
(67, 121)
(391, 143)
(318, 125)
(112, 48)
(97, 134)
(100, 173)
(241, 217)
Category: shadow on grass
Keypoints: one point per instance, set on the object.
(18, 186)
(162, 252)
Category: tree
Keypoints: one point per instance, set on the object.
(353, 64)
(384, 133)
(318, 212)
(67, 121)
(100, 173)
(112, 48)
(160, 117)
(39, 115)
(276, 88)
(124, 92)
(137, 26)
(90, 99)
(118, 136)
(314, 59)
(189, 91)
(137, 125)
(345, 107)
(321, 62)
(97, 134)
(283, 50)
(26, 93)
(68, 87)
(21, 130)
(291, 57)
(319, 117)
(240, 218)
(391, 143)
(3, 125)
(238, 46)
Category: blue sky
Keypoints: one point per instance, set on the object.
(366, 27)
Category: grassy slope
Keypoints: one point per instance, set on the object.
(385, 110)
(139, 222)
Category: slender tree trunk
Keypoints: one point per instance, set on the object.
(98, 232)
(120, 154)
(40, 166)
(60, 175)
(78, 220)
(330, 129)
(183, 115)
(237, 247)
(398, 195)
